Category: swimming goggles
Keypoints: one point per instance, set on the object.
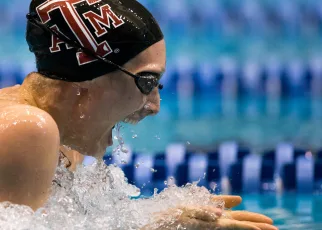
(145, 82)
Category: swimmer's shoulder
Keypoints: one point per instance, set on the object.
(29, 141)
(12, 106)
(22, 116)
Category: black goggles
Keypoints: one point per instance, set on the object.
(145, 82)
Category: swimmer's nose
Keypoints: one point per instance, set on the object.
(154, 103)
(154, 109)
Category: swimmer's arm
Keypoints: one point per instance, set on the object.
(28, 157)
(209, 217)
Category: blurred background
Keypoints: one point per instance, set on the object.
(242, 98)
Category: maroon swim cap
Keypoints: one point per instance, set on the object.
(117, 30)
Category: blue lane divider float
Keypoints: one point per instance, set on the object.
(246, 172)
(304, 174)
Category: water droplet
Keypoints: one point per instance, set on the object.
(165, 182)
(116, 138)
(153, 170)
(213, 170)
(78, 93)
(82, 116)
(188, 143)
(213, 186)
(137, 165)
(120, 140)
(204, 175)
(124, 149)
(157, 137)
(134, 136)
(123, 162)
(147, 106)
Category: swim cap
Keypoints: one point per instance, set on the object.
(117, 30)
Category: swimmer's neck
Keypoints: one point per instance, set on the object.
(57, 98)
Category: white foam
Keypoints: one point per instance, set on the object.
(98, 197)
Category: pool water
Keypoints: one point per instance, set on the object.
(259, 123)
(289, 211)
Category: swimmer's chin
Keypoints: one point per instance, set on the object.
(97, 152)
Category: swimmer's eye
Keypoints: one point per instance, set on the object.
(147, 81)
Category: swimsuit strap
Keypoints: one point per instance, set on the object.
(64, 160)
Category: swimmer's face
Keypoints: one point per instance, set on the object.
(117, 98)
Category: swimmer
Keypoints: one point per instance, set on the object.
(99, 62)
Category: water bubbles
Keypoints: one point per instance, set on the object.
(170, 181)
(153, 170)
(121, 147)
(213, 186)
(123, 162)
(134, 136)
(137, 165)
(124, 149)
(188, 143)
(213, 170)
(165, 182)
(98, 197)
(82, 116)
(121, 141)
(157, 137)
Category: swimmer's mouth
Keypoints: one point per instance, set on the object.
(137, 116)
(134, 118)
(131, 121)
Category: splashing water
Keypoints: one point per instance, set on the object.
(121, 145)
(98, 197)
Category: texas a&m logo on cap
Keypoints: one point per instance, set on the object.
(100, 22)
